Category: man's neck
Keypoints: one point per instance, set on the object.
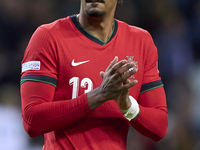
(97, 26)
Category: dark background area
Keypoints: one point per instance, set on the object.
(175, 28)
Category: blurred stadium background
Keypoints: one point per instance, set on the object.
(175, 28)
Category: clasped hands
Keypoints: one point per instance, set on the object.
(116, 82)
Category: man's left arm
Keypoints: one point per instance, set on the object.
(153, 119)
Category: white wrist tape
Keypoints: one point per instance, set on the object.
(133, 111)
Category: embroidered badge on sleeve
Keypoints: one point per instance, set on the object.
(31, 65)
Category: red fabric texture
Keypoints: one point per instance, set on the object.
(70, 123)
(41, 115)
(153, 119)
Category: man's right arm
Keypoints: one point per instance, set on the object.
(41, 114)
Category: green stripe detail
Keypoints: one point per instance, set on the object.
(111, 33)
(22, 81)
(98, 38)
(152, 88)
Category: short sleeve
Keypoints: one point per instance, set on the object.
(151, 79)
(40, 59)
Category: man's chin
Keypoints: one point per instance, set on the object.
(95, 13)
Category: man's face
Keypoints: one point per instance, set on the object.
(98, 8)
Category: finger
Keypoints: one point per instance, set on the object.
(102, 74)
(128, 74)
(124, 78)
(116, 66)
(114, 61)
(127, 67)
(125, 72)
(126, 81)
(130, 84)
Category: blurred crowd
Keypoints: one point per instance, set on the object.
(175, 28)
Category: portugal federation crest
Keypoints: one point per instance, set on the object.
(130, 59)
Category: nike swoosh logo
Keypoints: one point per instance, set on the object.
(74, 64)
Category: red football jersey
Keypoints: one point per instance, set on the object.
(66, 56)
